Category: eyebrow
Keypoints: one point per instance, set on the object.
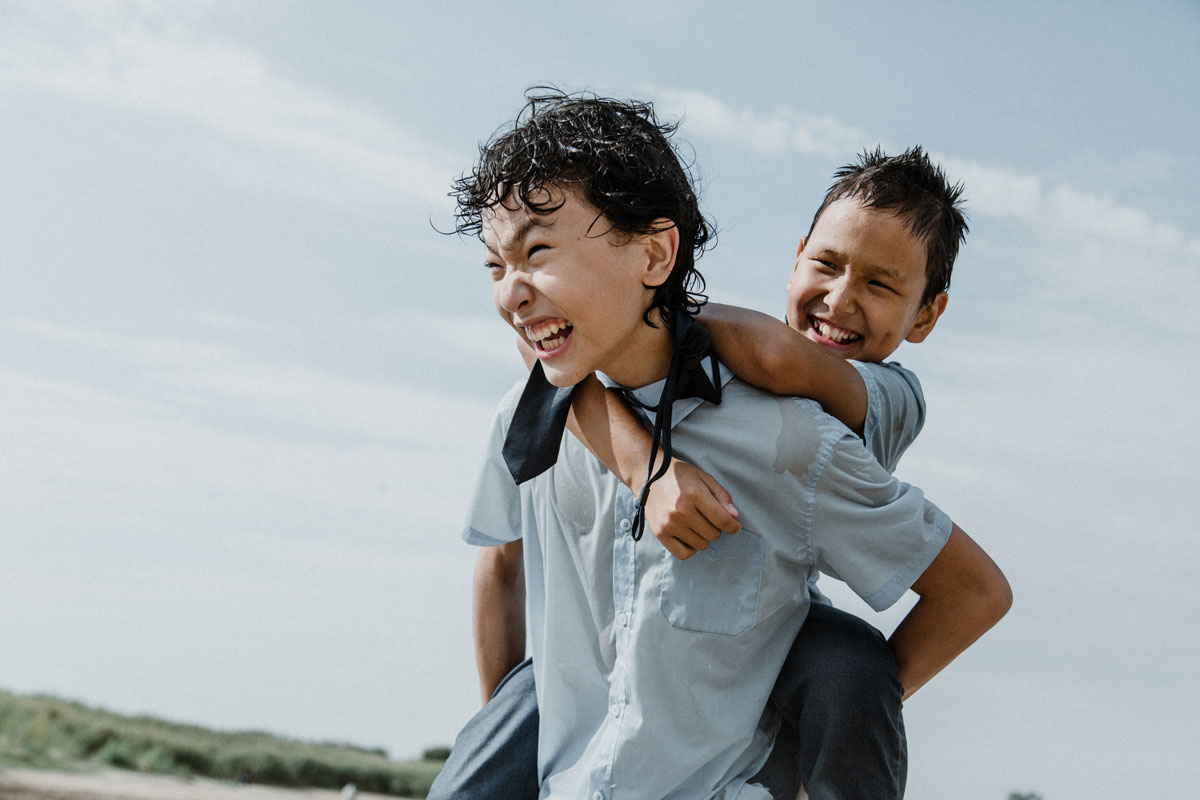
(888, 273)
(881, 269)
(530, 222)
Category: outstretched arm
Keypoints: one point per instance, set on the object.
(498, 613)
(687, 508)
(767, 353)
(963, 594)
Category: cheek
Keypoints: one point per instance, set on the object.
(804, 298)
(504, 315)
(797, 289)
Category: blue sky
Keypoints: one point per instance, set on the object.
(244, 382)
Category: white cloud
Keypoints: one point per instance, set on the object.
(995, 191)
(137, 59)
(1088, 216)
(290, 393)
(709, 116)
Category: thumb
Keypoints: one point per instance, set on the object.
(718, 492)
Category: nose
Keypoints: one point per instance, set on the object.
(839, 294)
(513, 291)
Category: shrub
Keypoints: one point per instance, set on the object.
(48, 732)
(436, 754)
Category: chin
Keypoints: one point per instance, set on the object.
(561, 378)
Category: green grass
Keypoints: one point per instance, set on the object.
(47, 732)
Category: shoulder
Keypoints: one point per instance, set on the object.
(796, 430)
(895, 410)
(889, 377)
(508, 405)
(739, 398)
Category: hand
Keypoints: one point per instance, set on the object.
(687, 508)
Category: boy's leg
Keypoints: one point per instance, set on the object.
(495, 755)
(839, 690)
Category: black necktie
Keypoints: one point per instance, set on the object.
(531, 446)
(534, 435)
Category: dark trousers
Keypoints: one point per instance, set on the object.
(842, 735)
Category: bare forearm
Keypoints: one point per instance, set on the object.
(963, 594)
(498, 614)
(768, 354)
(932, 636)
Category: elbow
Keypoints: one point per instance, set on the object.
(1002, 598)
(993, 599)
(772, 367)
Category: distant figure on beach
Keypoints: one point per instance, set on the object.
(349, 792)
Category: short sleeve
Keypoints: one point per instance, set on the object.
(895, 410)
(494, 516)
(870, 530)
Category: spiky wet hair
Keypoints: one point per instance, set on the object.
(916, 190)
(620, 158)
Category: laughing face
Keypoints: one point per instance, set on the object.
(576, 291)
(858, 281)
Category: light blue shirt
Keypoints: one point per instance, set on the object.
(895, 410)
(653, 674)
(895, 415)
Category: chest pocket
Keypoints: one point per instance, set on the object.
(716, 590)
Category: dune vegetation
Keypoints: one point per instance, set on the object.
(46, 732)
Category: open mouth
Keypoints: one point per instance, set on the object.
(833, 333)
(549, 335)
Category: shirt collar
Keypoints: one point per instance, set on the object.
(651, 392)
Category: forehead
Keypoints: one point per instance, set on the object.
(505, 224)
(872, 236)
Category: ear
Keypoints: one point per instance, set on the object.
(796, 265)
(661, 248)
(799, 253)
(927, 317)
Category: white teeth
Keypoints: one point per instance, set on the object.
(836, 334)
(543, 333)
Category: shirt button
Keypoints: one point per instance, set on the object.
(616, 711)
(623, 618)
(598, 796)
(626, 525)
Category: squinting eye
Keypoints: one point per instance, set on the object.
(536, 248)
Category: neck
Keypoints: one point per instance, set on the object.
(645, 359)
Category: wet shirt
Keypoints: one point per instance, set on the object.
(652, 673)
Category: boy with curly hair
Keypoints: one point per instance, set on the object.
(653, 673)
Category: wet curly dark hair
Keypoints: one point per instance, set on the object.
(620, 158)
